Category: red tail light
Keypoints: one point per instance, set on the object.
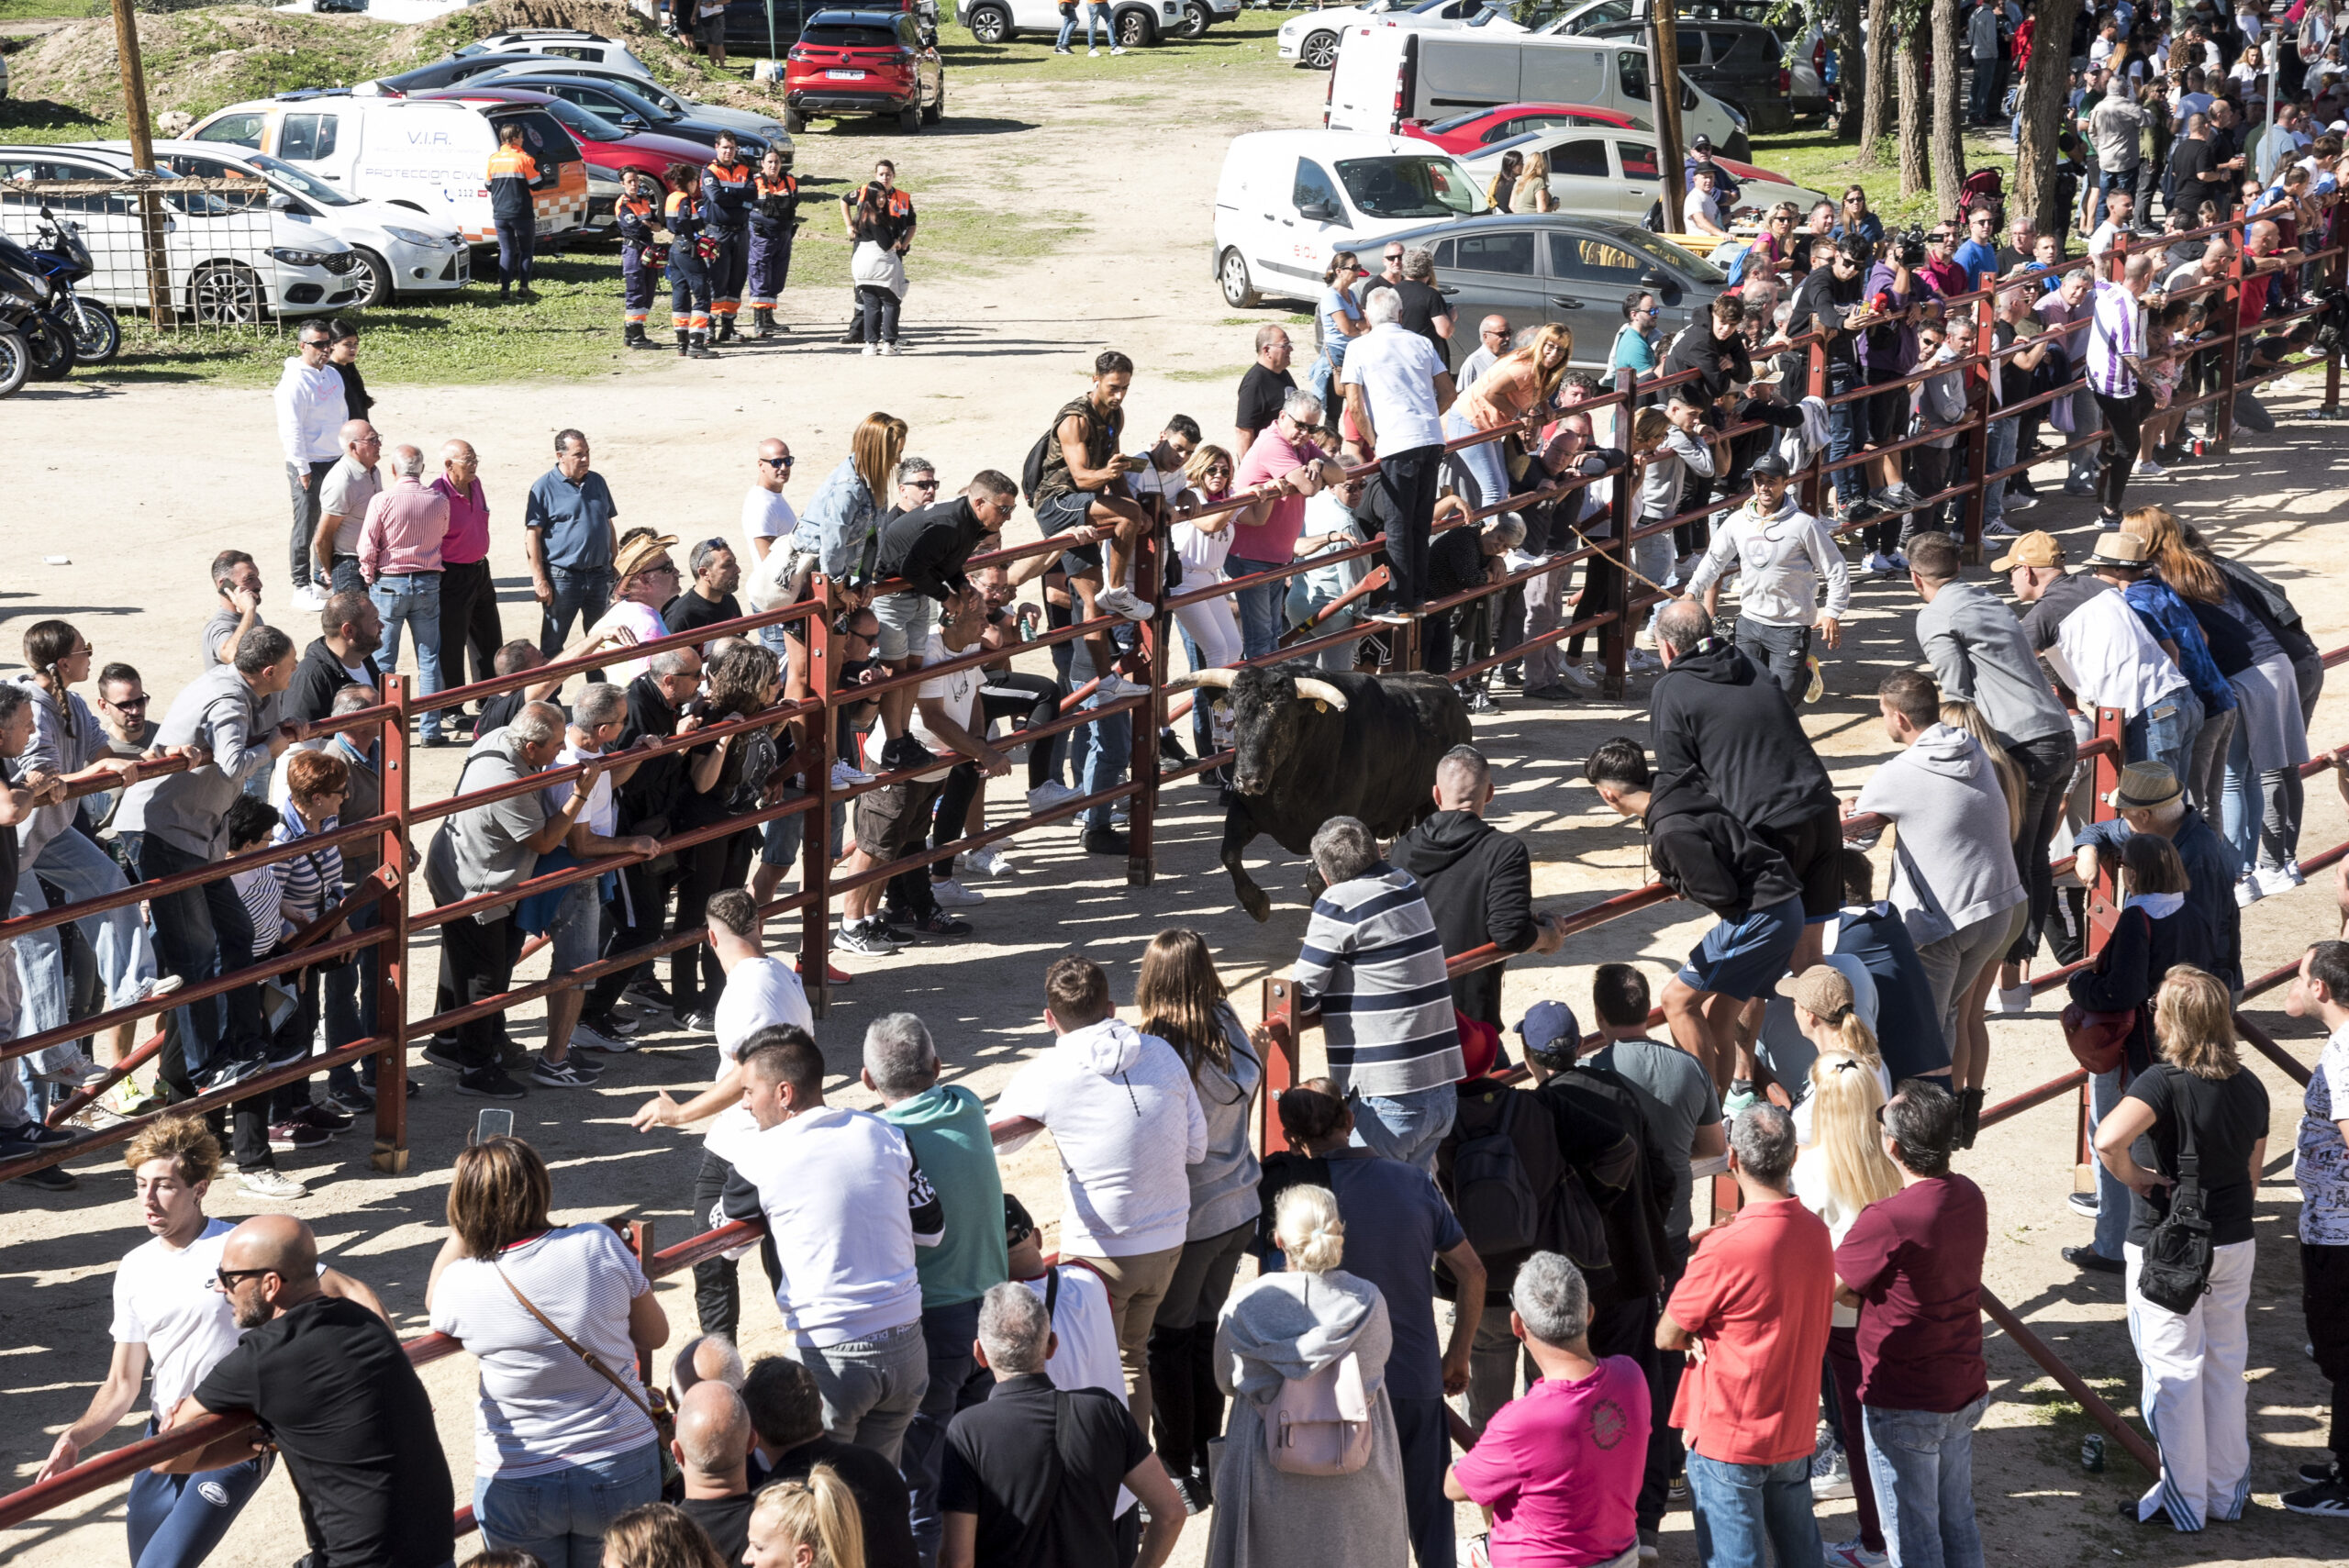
(1785, 80)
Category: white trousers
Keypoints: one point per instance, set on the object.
(2194, 1396)
(1211, 624)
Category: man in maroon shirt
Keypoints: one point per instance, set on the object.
(1913, 1262)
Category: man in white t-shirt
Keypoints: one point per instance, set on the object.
(168, 1314)
(649, 578)
(760, 993)
(1125, 1120)
(579, 925)
(1161, 474)
(846, 1204)
(1396, 390)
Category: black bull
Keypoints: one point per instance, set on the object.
(1344, 745)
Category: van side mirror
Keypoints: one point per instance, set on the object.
(279, 202)
(1319, 212)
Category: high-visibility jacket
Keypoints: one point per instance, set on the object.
(774, 203)
(512, 172)
(726, 193)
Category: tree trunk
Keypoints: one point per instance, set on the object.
(1948, 148)
(1914, 109)
(1851, 67)
(1875, 113)
(2043, 77)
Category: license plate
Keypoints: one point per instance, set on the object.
(845, 75)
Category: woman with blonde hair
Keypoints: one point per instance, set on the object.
(1827, 1011)
(1182, 1001)
(2196, 1100)
(1311, 1317)
(2165, 613)
(1521, 385)
(1531, 193)
(807, 1524)
(658, 1535)
(1842, 1170)
(1211, 627)
(1340, 319)
(564, 1443)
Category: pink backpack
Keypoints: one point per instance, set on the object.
(1320, 1425)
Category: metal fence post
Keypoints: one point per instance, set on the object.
(1150, 717)
(816, 836)
(2222, 421)
(390, 1154)
(1278, 1008)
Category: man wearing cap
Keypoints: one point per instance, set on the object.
(647, 579)
(1781, 552)
(1700, 156)
(2151, 800)
(2100, 650)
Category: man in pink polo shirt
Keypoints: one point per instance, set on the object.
(399, 555)
(468, 594)
(1754, 1302)
(1285, 456)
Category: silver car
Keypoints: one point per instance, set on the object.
(764, 126)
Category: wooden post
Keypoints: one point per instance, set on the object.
(390, 1155)
(1978, 439)
(640, 1241)
(1663, 103)
(1279, 1012)
(142, 161)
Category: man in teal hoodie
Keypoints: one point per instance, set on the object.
(946, 1127)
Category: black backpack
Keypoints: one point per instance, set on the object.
(1492, 1191)
(1031, 471)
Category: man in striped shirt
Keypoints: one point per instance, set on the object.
(1373, 964)
(2116, 338)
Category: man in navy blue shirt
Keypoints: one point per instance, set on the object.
(573, 535)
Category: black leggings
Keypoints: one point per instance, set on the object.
(880, 313)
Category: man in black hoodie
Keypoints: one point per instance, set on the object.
(1477, 880)
(1708, 856)
(344, 656)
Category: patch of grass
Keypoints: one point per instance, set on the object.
(1221, 372)
(36, 10)
(1814, 159)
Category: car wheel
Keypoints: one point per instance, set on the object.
(1136, 30)
(97, 337)
(990, 24)
(227, 293)
(1239, 289)
(373, 278)
(1196, 19)
(937, 110)
(1319, 51)
(910, 118)
(794, 121)
(16, 361)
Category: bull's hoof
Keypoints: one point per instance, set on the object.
(1258, 904)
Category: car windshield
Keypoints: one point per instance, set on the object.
(1409, 187)
(301, 183)
(580, 122)
(842, 35)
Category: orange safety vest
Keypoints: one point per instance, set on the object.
(511, 174)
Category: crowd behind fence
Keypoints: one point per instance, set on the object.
(394, 826)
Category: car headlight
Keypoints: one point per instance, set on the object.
(413, 236)
(294, 258)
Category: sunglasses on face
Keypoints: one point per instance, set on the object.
(784, 461)
(711, 544)
(126, 704)
(225, 1280)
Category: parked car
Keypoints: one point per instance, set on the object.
(1557, 267)
(864, 62)
(1741, 64)
(605, 146)
(1312, 39)
(569, 43)
(1198, 16)
(1801, 43)
(1465, 134)
(449, 72)
(1134, 24)
(1287, 198)
(431, 156)
(620, 104)
(1613, 174)
(1387, 75)
(400, 251)
(228, 265)
(753, 29)
(677, 116)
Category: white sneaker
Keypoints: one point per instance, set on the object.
(872, 350)
(1877, 561)
(272, 1183)
(1577, 677)
(1120, 602)
(2148, 469)
(1093, 53)
(596, 1039)
(952, 895)
(307, 597)
(1830, 1476)
(992, 861)
(1046, 796)
(2018, 503)
(890, 351)
(846, 773)
(1853, 1553)
(2248, 890)
(2273, 880)
(1118, 49)
(2011, 999)
(1640, 661)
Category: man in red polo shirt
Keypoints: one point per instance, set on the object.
(1756, 1301)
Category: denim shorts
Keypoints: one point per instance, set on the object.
(1745, 959)
(579, 926)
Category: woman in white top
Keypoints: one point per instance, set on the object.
(1827, 1012)
(1840, 1172)
(1210, 628)
(563, 1436)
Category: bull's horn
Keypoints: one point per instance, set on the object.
(1320, 691)
(1220, 679)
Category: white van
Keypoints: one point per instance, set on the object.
(1288, 198)
(1387, 75)
(431, 156)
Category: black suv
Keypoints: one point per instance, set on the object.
(1742, 63)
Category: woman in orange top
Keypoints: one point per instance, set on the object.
(1522, 384)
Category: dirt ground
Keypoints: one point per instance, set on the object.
(162, 477)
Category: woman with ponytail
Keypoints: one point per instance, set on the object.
(1827, 1011)
(1286, 1328)
(807, 1524)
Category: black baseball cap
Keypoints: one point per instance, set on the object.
(1702, 144)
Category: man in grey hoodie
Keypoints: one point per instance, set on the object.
(1954, 875)
(1979, 655)
(1781, 552)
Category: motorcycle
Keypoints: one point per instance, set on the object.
(34, 345)
(63, 260)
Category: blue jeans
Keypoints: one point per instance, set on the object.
(1098, 12)
(1847, 433)
(1405, 1126)
(587, 594)
(947, 1333)
(176, 1520)
(1260, 607)
(516, 240)
(1923, 1461)
(1105, 747)
(73, 864)
(1482, 462)
(2003, 434)
(2112, 1194)
(1740, 1506)
(413, 599)
(559, 1517)
(1068, 30)
(2163, 733)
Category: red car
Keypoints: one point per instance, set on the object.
(1464, 134)
(605, 145)
(864, 62)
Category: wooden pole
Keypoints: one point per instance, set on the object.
(142, 161)
(1663, 99)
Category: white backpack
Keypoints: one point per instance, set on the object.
(1320, 1425)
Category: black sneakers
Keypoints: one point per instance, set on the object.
(2328, 1496)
